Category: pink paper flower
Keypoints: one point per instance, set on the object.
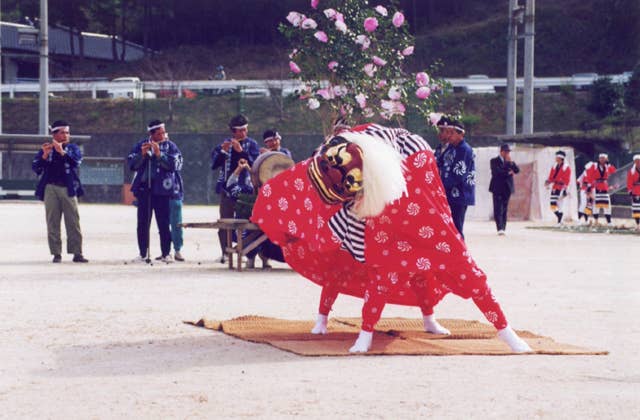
(391, 108)
(361, 99)
(382, 10)
(308, 23)
(325, 94)
(293, 53)
(329, 13)
(368, 112)
(295, 18)
(341, 26)
(434, 117)
(378, 61)
(340, 90)
(364, 41)
(333, 65)
(314, 3)
(382, 83)
(398, 19)
(370, 24)
(339, 17)
(313, 103)
(422, 79)
(294, 67)
(394, 93)
(321, 36)
(423, 92)
(407, 51)
(369, 69)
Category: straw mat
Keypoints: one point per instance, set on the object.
(393, 336)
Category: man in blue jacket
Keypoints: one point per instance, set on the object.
(56, 163)
(224, 158)
(457, 170)
(156, 161)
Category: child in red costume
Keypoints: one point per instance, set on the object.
(368, 216)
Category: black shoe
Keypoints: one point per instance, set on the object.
(79, 259)
(57, 258)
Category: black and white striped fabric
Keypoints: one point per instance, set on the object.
(635, 207)
(345, 225)
(603, 201)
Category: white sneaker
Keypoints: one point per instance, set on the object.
(139, 260)
(501, 233)
(178, 256)
(166, 259)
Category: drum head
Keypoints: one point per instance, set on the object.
(268, 165)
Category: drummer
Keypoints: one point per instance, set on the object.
(271, 139)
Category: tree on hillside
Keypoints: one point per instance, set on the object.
(632, 90)
(606, 98)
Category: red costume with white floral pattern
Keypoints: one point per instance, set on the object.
(413, 254)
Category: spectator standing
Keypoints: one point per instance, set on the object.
(559, 178)
(633, 186)
(501, 186)
(175, 217)
(157, 162)
(224, 158)
(56, 163)
(457, 170)
(598, 177)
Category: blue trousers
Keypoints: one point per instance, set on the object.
(175, 217)
(457, 214)
(159, 205)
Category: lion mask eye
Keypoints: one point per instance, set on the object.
(353, 180)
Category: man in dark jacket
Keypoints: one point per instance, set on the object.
(59, 187)
(224, 158)
(157, 162)
(501, 185)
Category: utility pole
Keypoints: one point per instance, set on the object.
(44, 68)
(529, 36)
(512, 67)
(0, 72)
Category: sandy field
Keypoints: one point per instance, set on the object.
(106, 340)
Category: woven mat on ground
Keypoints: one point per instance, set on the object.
(398, 336)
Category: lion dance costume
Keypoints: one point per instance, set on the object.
(367, 216)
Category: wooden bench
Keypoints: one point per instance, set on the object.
(254, 238)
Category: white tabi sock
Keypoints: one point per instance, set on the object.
(363, 343)
(321, 325)
(517, 344)
(433, 326)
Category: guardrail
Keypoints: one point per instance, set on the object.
(286, 86)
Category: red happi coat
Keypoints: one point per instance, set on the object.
(633, 181)
(413, 238)
(598, 177)
(559, 178)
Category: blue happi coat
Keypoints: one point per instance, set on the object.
(72, 160)
(165, 170)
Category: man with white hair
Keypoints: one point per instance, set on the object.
(633, 186)
(368, 215)
(598, 177)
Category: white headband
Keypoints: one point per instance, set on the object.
(239, 127)
(604, 155)
(276, 137)
(60, 127)
(154, 127)
(636, 157)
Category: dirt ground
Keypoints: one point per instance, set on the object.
(106, 340)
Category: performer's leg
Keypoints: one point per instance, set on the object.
(53, 212)
(486, 302)
(429, 294)
(497, 210)
(327, 298)
(161, 211)
(227, 211)
(144, 221)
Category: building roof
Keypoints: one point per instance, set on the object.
(96, 46)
